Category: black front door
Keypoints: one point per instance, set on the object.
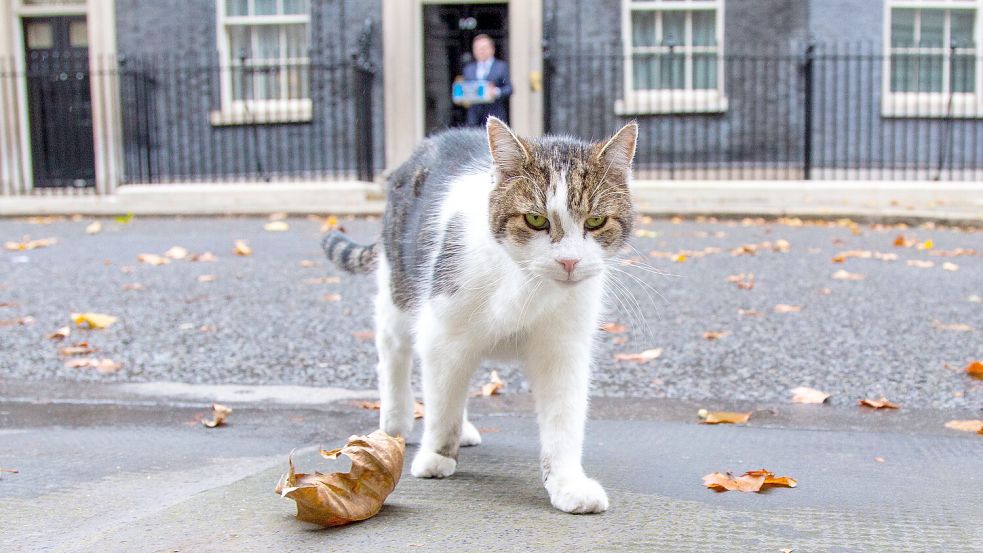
(447, 33)
(59, 101)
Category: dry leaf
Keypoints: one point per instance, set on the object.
(723, 417)
(219, 414)
(785, 308)
(781, 246)
(882, 403)
(803, 394)
(207, 278)
(60, 334)
(749, 313)
(950, 266)
(364, 335)
(492, 387)
(975, 369)
(331, 297)
(743, 281)
(276, 226)
(845, 275)
(966, 425)
(307, 264)
(176, 252)
(340, 498)
(921, 264)
(646, 233)
(613, 328)
(95, 227)
(81, 348)
(23, 321)
(26, 244)
(153, 259)
(926, 245)
(643, 357)
(975, 299)
(331, 223)
(242, 248)
(203, 257)
(953, 253)
(955, 327)
(104, 366)
(93, 321)
(376, 406)
(751, 481)
(715, 334)
(680, 258)
(903, 242)
(879, 459)
(133, 286)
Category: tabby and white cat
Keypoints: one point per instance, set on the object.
(496, 246)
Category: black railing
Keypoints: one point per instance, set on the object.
(819, 112)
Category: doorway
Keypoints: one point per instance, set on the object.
(59, 101)
(448, 30)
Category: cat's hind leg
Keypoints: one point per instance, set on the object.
(394, 344)
(469, 434)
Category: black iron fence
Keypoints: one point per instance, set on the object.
(823, 112)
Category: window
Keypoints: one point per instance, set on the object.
(263, 46)
(673, 56)
(932, 67)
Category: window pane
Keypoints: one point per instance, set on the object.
(671, 72)
(902, 27)
(242, 84)
(929, 69)
(78, 34)
(236, 7)
(962, 28)
(267, 42)
(645, 68)
(240, 42)
(295, 7)
(297, 86)
(962, 77)
(264, 7)
(40, 35)
(643, 28)
(933, 28)
(704, 28)
(704, 71)
(902, 74)
(267, 83)
(673, 28)
(296, 41)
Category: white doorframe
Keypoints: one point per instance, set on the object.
(403, 64)
(15, 139)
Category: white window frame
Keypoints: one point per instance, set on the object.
(932, 104)
(686, 100)
(243, 112)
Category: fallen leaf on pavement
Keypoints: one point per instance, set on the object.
(966, 425)
(331, 223)
(975, 369)
(219, 414)
(645, 233)
(846, 275)
(613, 328)
(643, 357)
(176, 252)
(955, 327)
(81, 348)
(953, 253)
(331, 297)
(60, 334)
(975, 299)
(879, 459)
(276, 226)
(322, 280)
(124, 219)
(803, 394)
(308, 264)
(743, 281)
(903, 242)
(92, 321)
(921, 264)
(364, 335)
(492, 387)
(207, 278)
(23, 321)
(153, 259)
(749, 313)
(340, 498)
(95, 227)
(723, 417)
(133, 286)
(882, 403)
(950, 266)
(203, 257)
(715, 334)
(26, 244)
(782, 246)
(751, 481)
(680, 258)
(103, 366)
(376, 406)
(926, 245)
(242, 248)
(785, 308)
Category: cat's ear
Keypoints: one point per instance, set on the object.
(507, 150)
(619, 150)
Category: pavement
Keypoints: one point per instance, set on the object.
(120, 461)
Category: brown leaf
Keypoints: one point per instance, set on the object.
(207, 278)
(921, 264)
(882, 403)
(966, 425)
(93, 321)
(782, 246)
(331, 223)
(613, 328)
(153, 259)
(955, 327)
(323, 280)
(785, 308)
(60, 334)
(331, 297)
(845, 275)
(276, 226)
(751, 481)
(950, 266)
(133, 286)
(802, 394)
(95, 227)
(176, 252)
(203, 257)
(975, 369)
(743, 281)
(903, 242)
(715, 334)
(81, 348)
(219, 414)
(307, 264)
(26, 244)
(723, 417)
(340, 498)
(749, 313)
(492, 387)
(643, 357)
(103, 366)
(241, 248)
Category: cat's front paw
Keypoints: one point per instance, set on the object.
(469, 435)
(578, 495)
(429, 464)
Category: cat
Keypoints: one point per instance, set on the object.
(496, 246)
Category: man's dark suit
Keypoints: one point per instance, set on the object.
(498, 74)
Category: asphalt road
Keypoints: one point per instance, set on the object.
(269, 318)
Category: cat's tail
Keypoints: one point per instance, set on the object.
(348, 255)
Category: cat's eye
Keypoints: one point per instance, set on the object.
(594, 223)
(537, 221)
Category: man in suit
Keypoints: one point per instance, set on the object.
(486, 68)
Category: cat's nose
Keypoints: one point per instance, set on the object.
(568, 264)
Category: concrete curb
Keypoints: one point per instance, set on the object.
(915, 200)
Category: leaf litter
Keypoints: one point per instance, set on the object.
(752, 481)
(219, 414)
